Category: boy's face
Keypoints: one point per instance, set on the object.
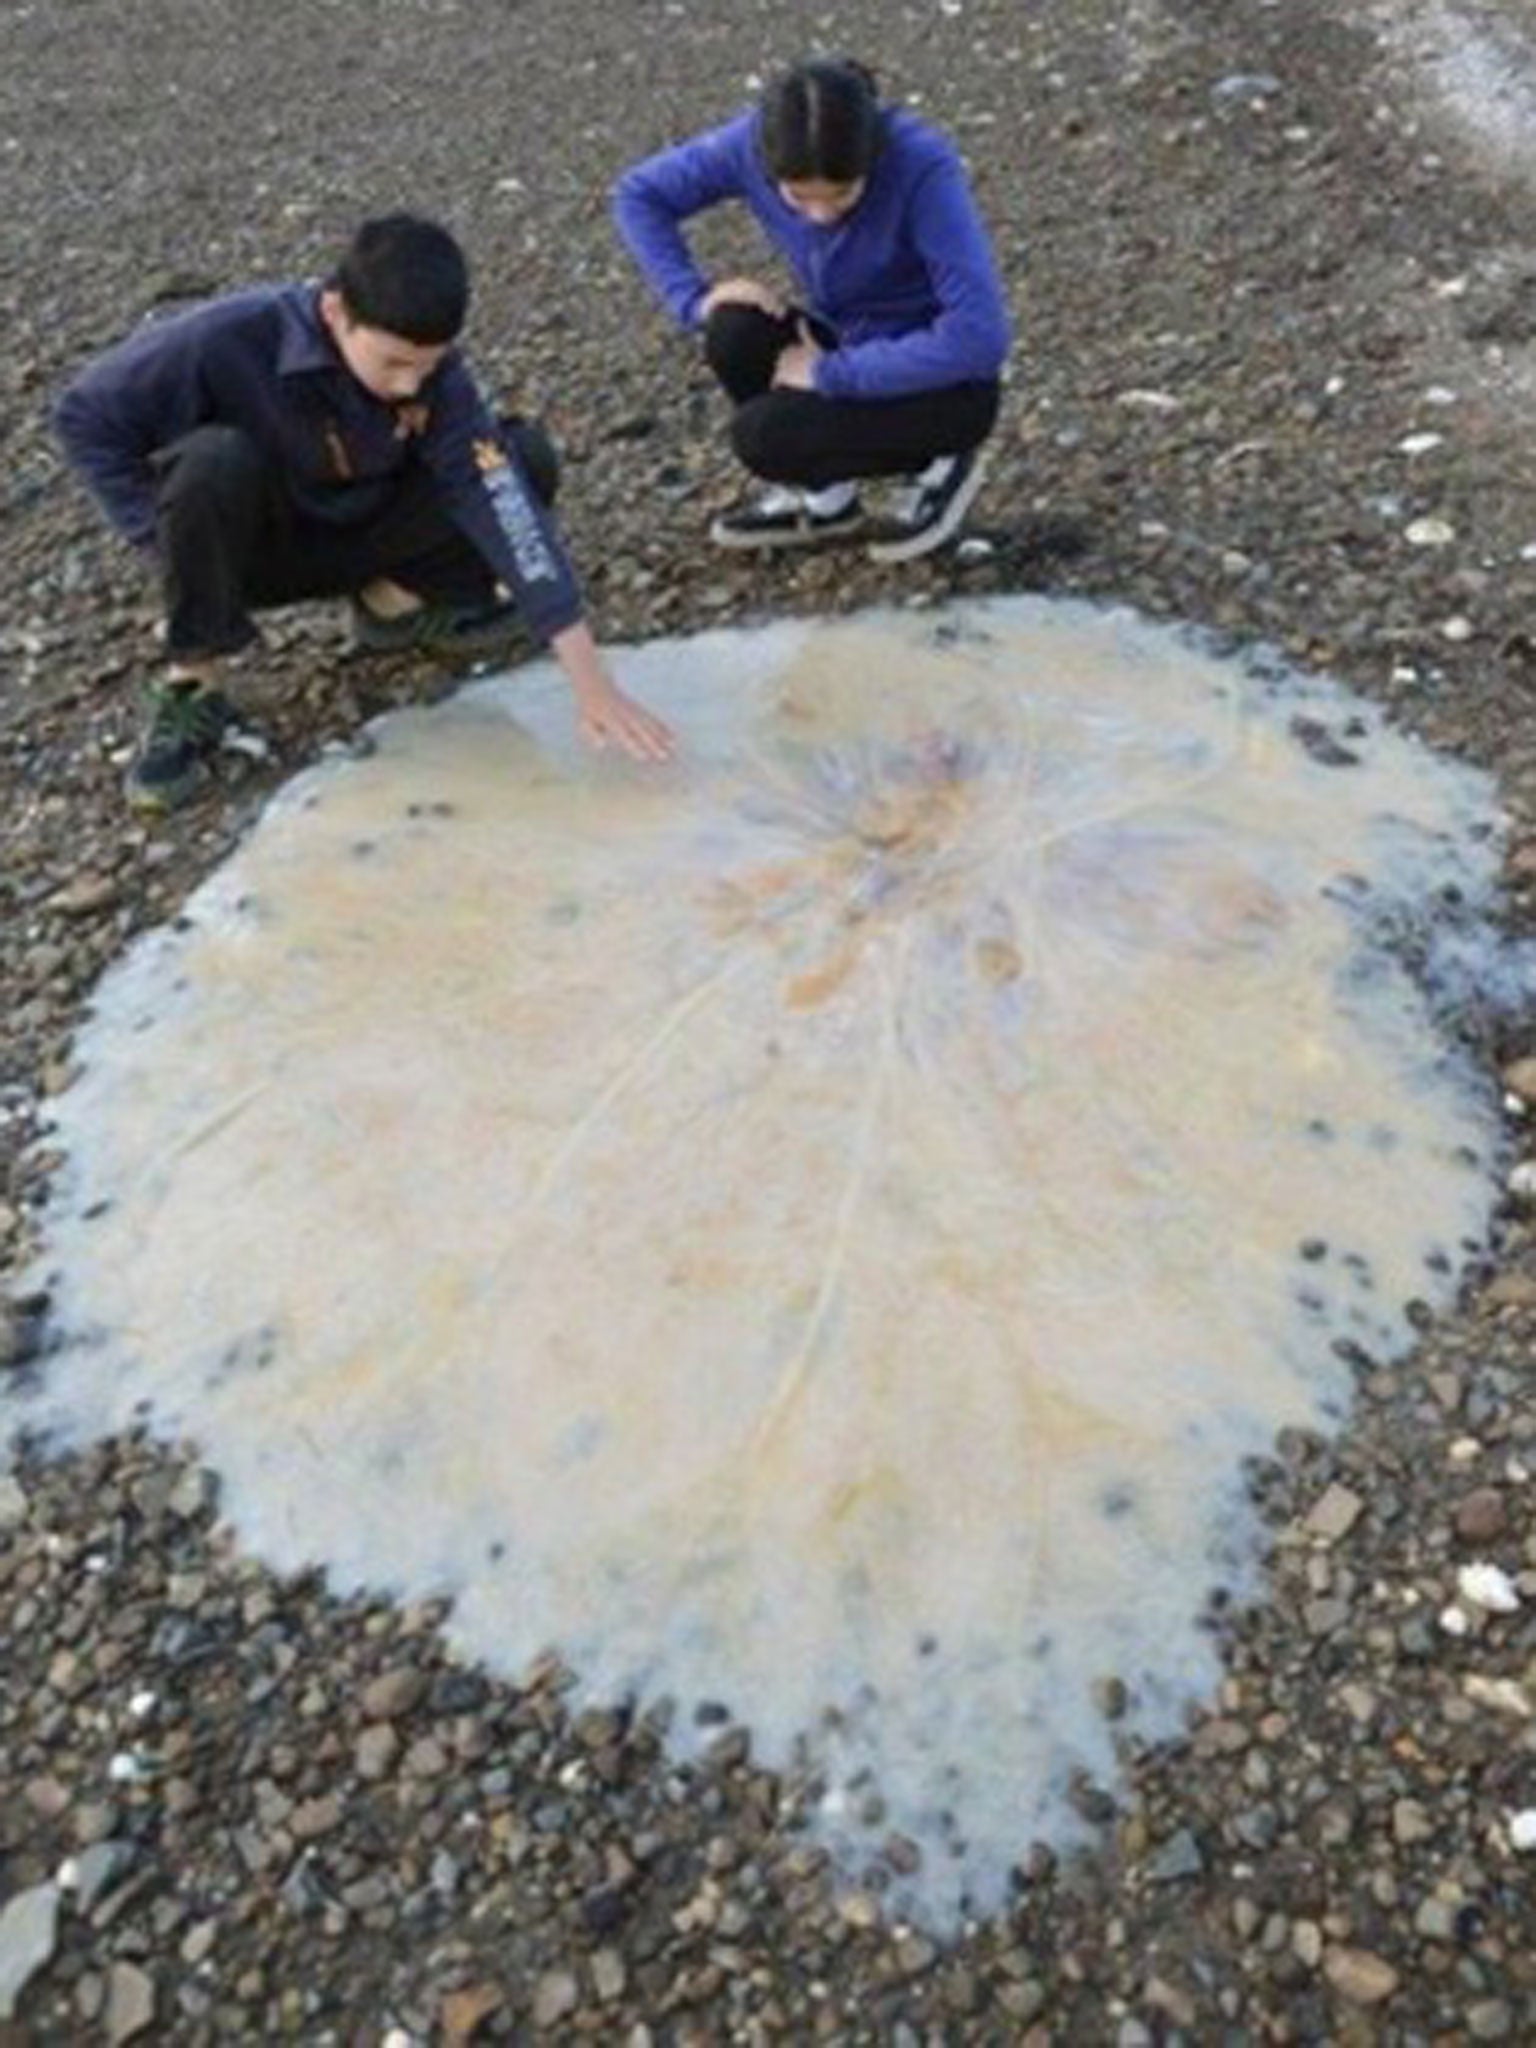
(385, 364)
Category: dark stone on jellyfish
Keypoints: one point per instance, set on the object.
(97, 1210)
(1116, 1502)
(1437, 1261)
(927, 1646)
(495, 1553)
(1321, 746)
(1320, 1128)
(1419, 1314)
(659, 1716)
(361, 848)
(1312, 1249)
(1381, 1138)
(1354, 1355)
(457, 1692)
(1313, 1303)
(1042, 1647)
(711, 1714)
(1091, 1801)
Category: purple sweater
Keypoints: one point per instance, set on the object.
(906, 280)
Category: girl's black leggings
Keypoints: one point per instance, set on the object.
(799, 437)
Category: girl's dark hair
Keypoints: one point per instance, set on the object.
(821, 119)
(407, 276)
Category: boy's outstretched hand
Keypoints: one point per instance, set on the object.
(607, 717)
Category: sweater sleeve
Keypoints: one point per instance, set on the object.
(139, 396)
(492, 502)
(968, 339)
(653, 198)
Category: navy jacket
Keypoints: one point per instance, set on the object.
(906, 279)
(263, 360)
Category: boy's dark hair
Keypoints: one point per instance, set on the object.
(821, 119)
(407, 276)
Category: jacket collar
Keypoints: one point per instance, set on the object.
(303, 344)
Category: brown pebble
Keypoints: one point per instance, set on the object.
(1480, 1515)
(1359, 1976)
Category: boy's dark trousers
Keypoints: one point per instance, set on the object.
(231, 540)
(799, 437)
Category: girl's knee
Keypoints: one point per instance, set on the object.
(760, 439)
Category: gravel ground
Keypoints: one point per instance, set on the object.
(1250, 259)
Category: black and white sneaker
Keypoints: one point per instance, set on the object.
(785, 518)
(937, 504)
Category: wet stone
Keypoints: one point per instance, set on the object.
(1177, 1858)
(1481, 1515)
(1333, 1516)
(1360, 1976)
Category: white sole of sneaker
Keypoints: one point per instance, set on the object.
(912, 546)
(797, 537)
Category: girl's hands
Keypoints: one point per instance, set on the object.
(743, 291)
(796, 367)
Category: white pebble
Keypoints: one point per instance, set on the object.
(143, 1704)
(1429, 533)
(1452, 288)
(68, 1877)
(1528, 552)
(1488, 1587)
(1454, 1621)
(1150, 401)
(1419, 444)
(1522, 1179)
(1502, 1695)
(1457, 629)
(1522, 1830)
(1464, 1450)
(1440, 394)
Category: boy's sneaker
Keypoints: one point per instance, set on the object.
(186, 723)
(783, 518)
(453, 631)
(938, 502)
